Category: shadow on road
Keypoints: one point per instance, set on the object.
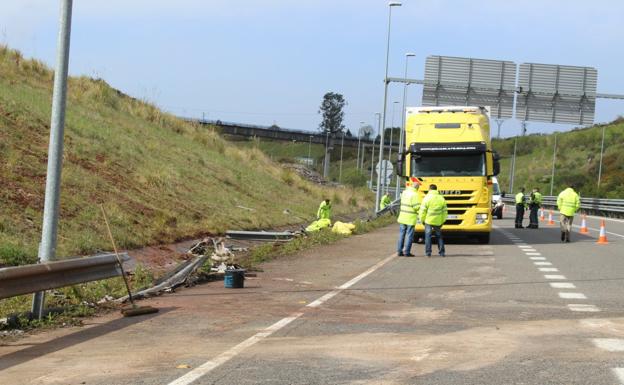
(41, 349)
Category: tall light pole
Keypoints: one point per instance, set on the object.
(385, 99)
(394, 104)
(402, 136)
(378, 114)
(341, 148)
(47, 248)
(552, 175)
(310, 148)
(513, 168)
(601, 152)
(357, 161)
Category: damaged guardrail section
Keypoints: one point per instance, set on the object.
(27, 279)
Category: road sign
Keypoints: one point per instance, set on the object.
(457, 81)
(556, 93)
(388, 167)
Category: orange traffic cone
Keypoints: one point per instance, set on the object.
(602, 239)
(542, 214)
(583, 226)
(550, 218)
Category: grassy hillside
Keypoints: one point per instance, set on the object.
(282, 151)
(578, 157)
(160, 178)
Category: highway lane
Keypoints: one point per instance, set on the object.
(524, 310)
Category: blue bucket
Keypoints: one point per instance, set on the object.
(234, 279)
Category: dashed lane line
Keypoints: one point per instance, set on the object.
(609, 344)
(548, 269)
(562, 285)
(583, 307)
(554, 276)
(542, 263)
(568, 295)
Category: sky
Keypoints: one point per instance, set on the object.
(271, 61)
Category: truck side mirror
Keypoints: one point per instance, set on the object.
(400, 163)
(496, 164)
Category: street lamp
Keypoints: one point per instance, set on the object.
(402, 136)
(383, 125)
(378, 114)
(357, 162)
(394, 104)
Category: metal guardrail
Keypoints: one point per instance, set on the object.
(260, 235)
(27, 279)
(595, 205)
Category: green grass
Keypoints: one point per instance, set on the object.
(161, 179)
(577, 161)
(288, 152)
(271, 251)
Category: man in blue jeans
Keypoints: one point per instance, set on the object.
(407, 219)
(433, 214)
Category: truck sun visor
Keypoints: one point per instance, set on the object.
(468, 147)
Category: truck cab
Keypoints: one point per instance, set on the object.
(450, 147)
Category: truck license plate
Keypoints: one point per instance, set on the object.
(451, 217)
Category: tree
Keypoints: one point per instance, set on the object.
(348, 134)
(332, 113)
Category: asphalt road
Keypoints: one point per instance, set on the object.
(525, 309)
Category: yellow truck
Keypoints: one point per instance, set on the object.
(451, 148)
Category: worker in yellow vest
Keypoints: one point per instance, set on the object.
(408, 216)
(433, 213)
(385, 201)
(324, 210)
(568, 203)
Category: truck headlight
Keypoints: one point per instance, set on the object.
(481, 218)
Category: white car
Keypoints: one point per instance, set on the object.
(497, 199)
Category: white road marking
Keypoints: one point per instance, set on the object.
(210, 365)
(533, 253)
(619, 373)
(583, 307)
(609, 344)
(554, 276)
(542, 263)
(529, 250)
(562, 285)
(568, 295)
(538, 258)
(548, 269)
(526, 247)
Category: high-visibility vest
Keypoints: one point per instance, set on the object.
(385, 201)
(324, 211)
(433, 209)
(520, 199)
(568, 202)
(536, 198)
(410, 202)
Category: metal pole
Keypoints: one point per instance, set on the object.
(327, 157)
(513, 168)
(390, 147)
(499, 123)
(402, 135)
(341, 148)
(552, 175)
(385, 99)
(601, 154)
(310, 148)
(47, 250)
(373, 151)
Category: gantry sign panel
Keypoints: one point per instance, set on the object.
(456, 81)
(556, 93)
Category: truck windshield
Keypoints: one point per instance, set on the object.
(448, 165)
